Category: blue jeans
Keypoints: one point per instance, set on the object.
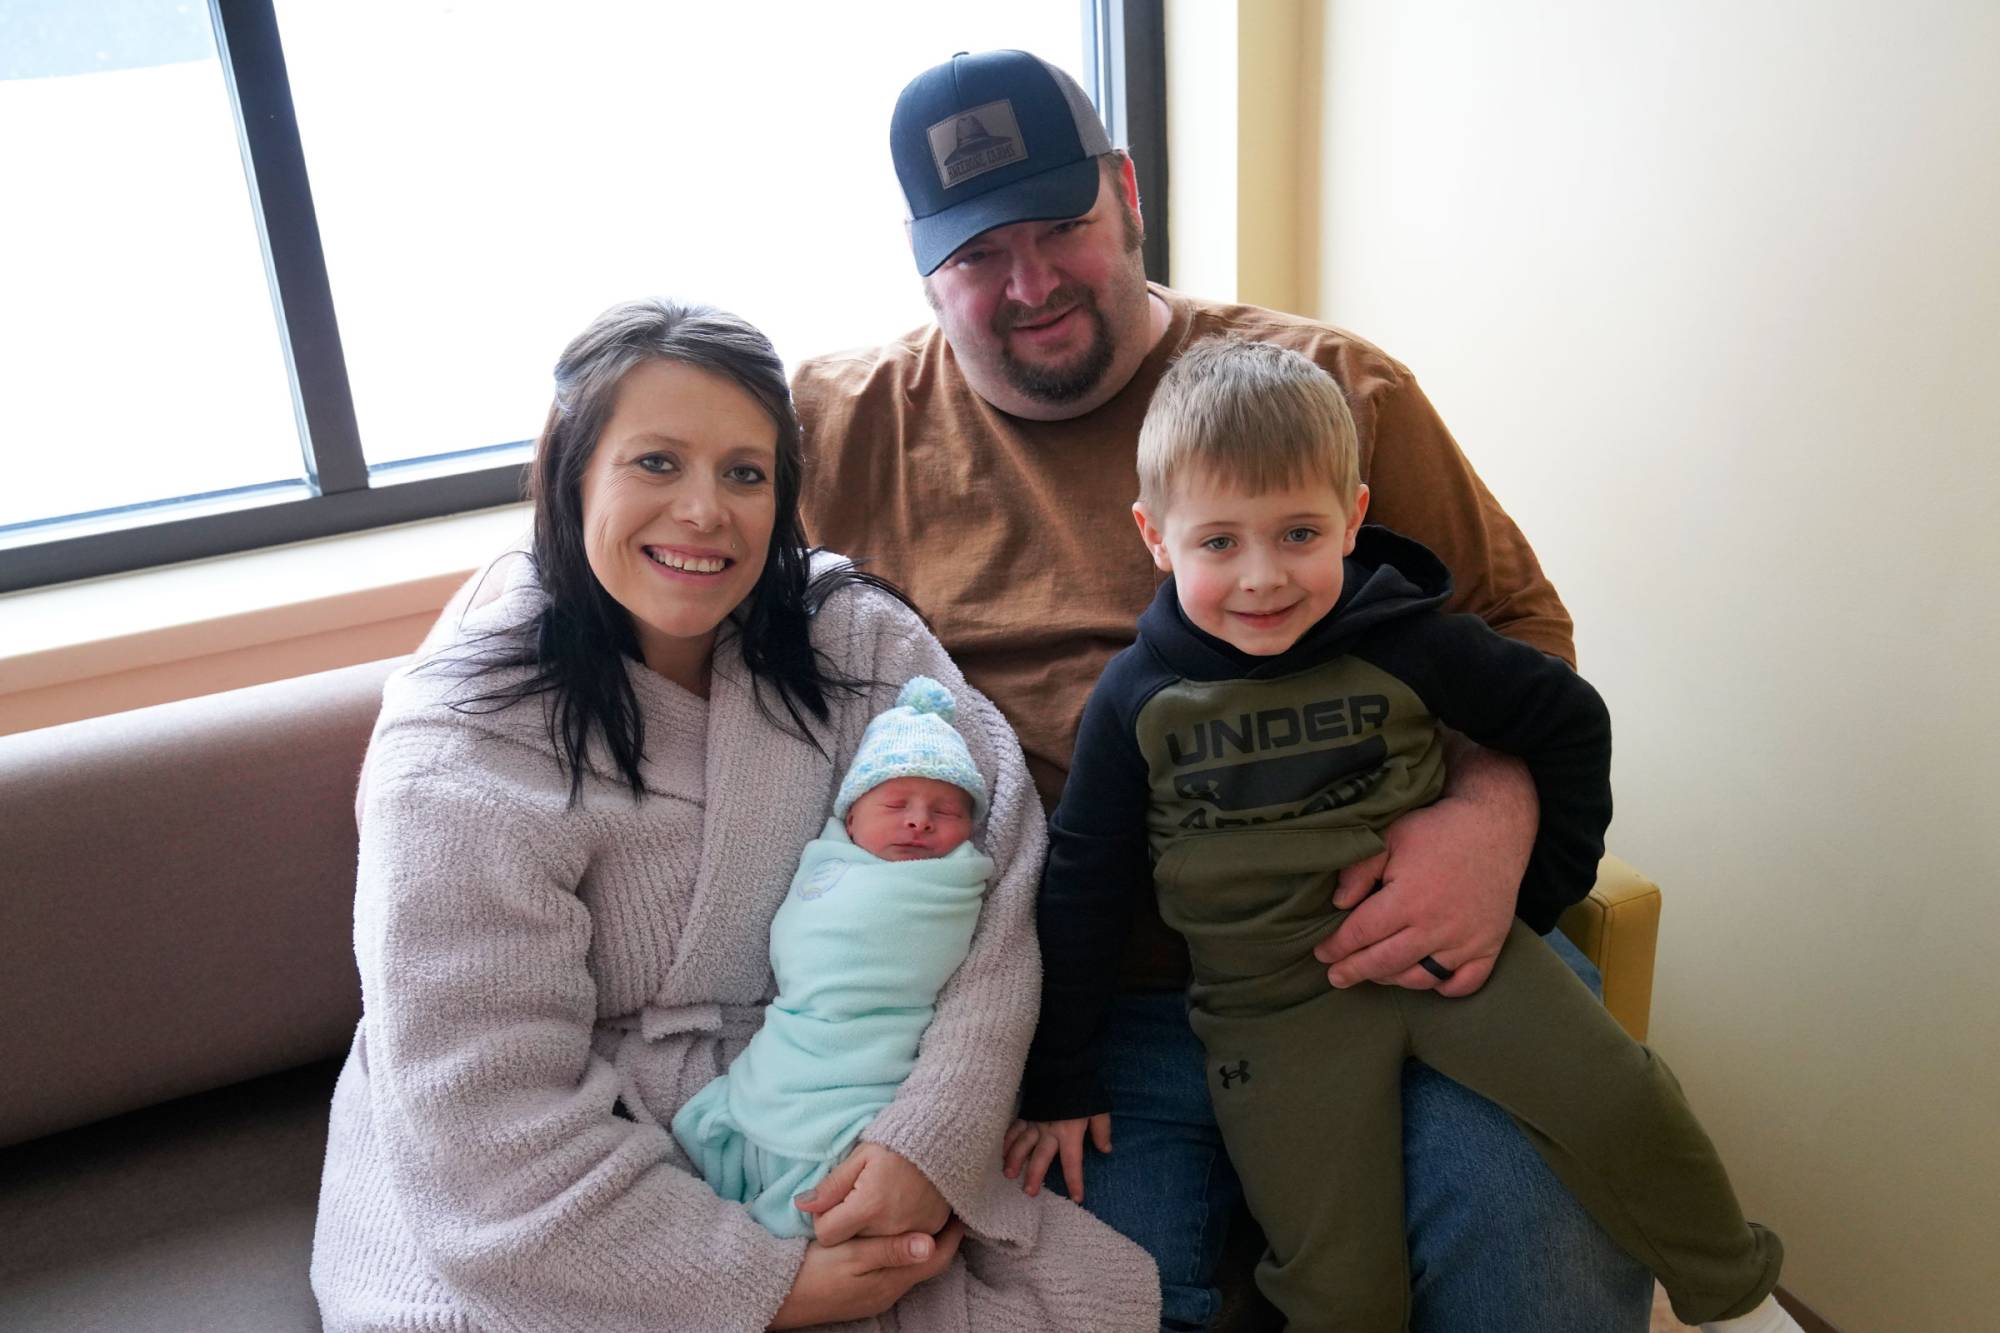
(1496, 1242)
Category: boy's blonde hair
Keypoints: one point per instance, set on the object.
(1251, 415)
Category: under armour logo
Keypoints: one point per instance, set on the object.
(1240, 1074)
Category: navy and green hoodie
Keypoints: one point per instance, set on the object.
(1188, 744)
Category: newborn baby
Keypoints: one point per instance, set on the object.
(880, 914)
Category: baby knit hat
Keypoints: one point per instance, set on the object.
(915, 739)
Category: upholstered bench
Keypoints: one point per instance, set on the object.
(178, 985)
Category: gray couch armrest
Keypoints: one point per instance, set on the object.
(176, 896)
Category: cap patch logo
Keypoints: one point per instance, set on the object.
(976, 141)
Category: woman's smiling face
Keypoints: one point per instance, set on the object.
(678, 506)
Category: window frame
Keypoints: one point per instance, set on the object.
(1126, 57)
(1125, 49)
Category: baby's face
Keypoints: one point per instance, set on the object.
(910, 819)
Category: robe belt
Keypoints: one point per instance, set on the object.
(657, 1022)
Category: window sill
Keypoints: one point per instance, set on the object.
(104, 645)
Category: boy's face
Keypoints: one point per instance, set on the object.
(1256, 571)
(910, 819)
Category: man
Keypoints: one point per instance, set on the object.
(986, 464)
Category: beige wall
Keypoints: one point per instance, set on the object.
(1238, 77)
(1710, 291)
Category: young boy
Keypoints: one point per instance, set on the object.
(1281, 707)
(880, 914)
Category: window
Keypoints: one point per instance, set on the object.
(351, 321)
(133, 274)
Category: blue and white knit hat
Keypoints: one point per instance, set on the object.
(915, 739)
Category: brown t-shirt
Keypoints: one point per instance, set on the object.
(1016, 537)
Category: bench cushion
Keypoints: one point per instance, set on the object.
(193, 1215)
(177, 906)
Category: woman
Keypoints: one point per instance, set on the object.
(577, 820)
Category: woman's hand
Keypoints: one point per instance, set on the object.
(1038, 1142)
(875, 1191)
(864, 1277)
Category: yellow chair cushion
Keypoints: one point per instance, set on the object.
(1618, 928)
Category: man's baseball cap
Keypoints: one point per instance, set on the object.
(984, 140)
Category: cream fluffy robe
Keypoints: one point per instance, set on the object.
(524, 966)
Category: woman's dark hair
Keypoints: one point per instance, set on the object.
(579, 642)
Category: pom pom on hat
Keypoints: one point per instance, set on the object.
(915, 739)
(925, 695)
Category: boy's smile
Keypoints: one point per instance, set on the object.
(1256, 571)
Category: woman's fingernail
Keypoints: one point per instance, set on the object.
(805, 1196)
(920, 1248)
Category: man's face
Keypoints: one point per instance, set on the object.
(1049, 319)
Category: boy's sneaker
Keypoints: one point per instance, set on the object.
(1770, 1317)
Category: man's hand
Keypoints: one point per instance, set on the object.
(863, 1278)
(1448, 883)
(875, 1191)
(1036, 1143)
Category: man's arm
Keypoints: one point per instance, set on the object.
(1451, 871)
(1450, 878)
(1520, 701)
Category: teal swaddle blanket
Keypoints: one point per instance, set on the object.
(860, 947)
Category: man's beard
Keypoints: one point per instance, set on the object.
(1061, 383)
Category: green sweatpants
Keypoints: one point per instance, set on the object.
(1306, 1082)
